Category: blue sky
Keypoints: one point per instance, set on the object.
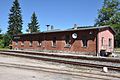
(62, 14)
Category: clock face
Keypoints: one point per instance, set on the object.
(74, 35)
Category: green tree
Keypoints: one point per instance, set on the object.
(1, 40)
(15, 19)
(5, 40)
(0, 30)
(109, 14)
(14, 24)
(33, 26)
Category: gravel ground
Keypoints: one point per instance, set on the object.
(20, 74)
(10, 73)
(75, 60)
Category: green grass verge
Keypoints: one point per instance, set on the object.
(4, 48)
(117, 49)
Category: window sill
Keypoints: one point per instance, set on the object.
(84, 47)
(67, 46)
(54, 46)
(22, 45)
(39, 46)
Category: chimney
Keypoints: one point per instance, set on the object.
(52, 27)
(75, 26)
(47, 27)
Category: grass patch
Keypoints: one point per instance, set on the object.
(4, 48)
(117, 49)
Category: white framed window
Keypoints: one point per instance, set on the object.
(110, 42)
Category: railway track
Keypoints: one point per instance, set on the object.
(96, 62)
(98, 76)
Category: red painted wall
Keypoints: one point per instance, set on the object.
(46, 39)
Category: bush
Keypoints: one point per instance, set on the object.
(5, 40)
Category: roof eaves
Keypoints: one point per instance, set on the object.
(51, 31)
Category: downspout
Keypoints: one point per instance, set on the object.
(44, 45)
(97, 53)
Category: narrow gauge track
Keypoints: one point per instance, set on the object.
(104, 59)
(97, 62)
(59, 71)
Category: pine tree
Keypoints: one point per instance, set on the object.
(33, 26)
(109, 14)
(0, 30)
(15, 19)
